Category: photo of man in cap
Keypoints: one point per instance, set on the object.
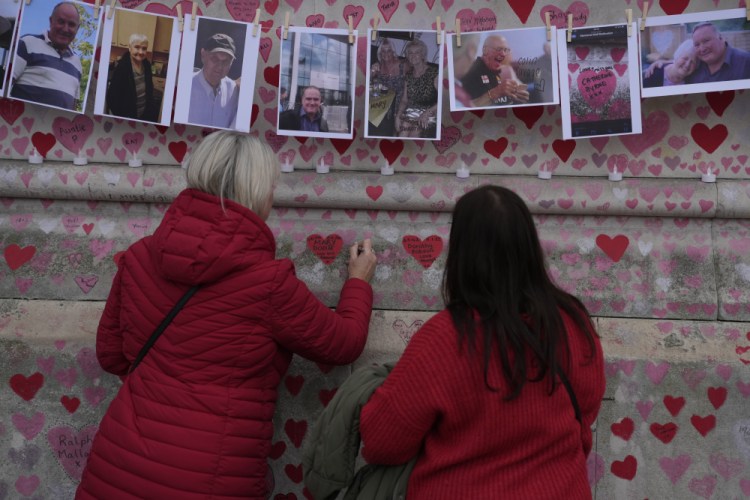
(214, 97)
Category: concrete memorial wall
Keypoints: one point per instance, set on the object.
(661, 259)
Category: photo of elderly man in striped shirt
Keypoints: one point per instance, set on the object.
(46, 70)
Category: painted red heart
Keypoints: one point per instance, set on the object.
(563, 148)
(703, 425)
(43, 142)
(672, 7)
(26, 387)
(387, 8)
(295, 431)
(613, 247)
(496, 147)
(327, 249)
(529, 115)
(391, 150)
(717, 396)
(178, 150)
(655, 127)
(271, 75)
(626, 468)
(623, 429)
(254, 114)
(341, 145)
(719, 101)
(709, 138)
(674, 405)
(277, 449)
(448, 137)
(16, 256)
(424, 251)
(356, 12)
(664, 433)
(70, 404)
(374, 192)
(294, 472)
(522, 8)
(294, 384)
(11, 110)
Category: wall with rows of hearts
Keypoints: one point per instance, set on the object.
(661, 259)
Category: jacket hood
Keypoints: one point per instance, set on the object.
(200, 242)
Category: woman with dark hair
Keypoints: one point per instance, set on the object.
(131, 88)
(495, 395)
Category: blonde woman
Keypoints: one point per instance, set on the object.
(417, 112)
(194, 419)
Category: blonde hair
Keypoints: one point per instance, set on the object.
(234, 166)
(137, 37)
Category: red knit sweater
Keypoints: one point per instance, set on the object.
(471, 443)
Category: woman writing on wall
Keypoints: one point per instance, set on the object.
(479, 395)
(131, 88)
(417, 111)
(194, 419)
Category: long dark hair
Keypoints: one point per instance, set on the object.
(496, 280)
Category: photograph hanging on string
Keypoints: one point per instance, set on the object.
(404, 90)
(599, 84)
(9, 12)
(694, 53)
(138, 66)
(502, 68)
(54, 54)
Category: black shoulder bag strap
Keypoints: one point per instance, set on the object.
(165, 322)
(569, 388)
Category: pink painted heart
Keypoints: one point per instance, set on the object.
(406, 331)
(675, 467)
(133, 142)
(243, 10)
(71, 447)
(482, 20)
(266, 43)
(597, 85)
(448, 137)
(29, 427)
(655, 127)
(356, 12)
(387, 8)
(73, 133)
(559, 18)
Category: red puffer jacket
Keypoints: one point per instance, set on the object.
(194, 419)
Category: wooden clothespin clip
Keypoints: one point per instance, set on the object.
(28, 2)
(111, 11)
(256, 23)
(570, 27)
(458, 32)
(96, 9)
(351, 29)
(193, 14)
(629, 15)
(549, 26)
(439, 31)
(375, 24)
(180, 17)
(285, 29)
(747, 10)
(644, 14)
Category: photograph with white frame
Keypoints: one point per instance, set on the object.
(502, 68)
(317, 81)
(132, 38)
(694, 53)
(9, 12)
(60, 78)
(599, 81)
(404, 85)
(216, 83)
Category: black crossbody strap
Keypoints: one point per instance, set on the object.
(164, 324)
(569, 388)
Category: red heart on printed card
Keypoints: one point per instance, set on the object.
(625, 469)
(391, 150)
(295, 431)
(522, 8)
(43, 142)
(271, 75)
(709, 138)
(672, 7)
(70, 404)
(15, 256)
(563, 148)
(719, 101)
(623, 429)
(374, 192)
(613, 247)
(529, 114)
(178, 150)
(674, 405)
(424, 251)
(664, 433)
(26, 387)
(327, 249)
(387, 8)
(496, 147)
(11, 110)
(596, 86)
(703, 425)
(717, 396)
(356, 12)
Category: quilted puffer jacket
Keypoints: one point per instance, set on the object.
(194, 419)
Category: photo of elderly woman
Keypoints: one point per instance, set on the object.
(138, 80)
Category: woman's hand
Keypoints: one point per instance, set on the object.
(424, 118)
(362, 261)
